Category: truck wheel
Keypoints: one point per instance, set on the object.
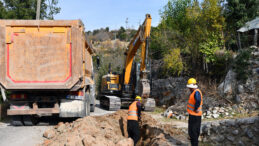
(29, 120)
(17, 121)
(87, 103)
(92, 108)
(88, 108)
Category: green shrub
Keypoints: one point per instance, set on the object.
(173, 64)
(241, 64)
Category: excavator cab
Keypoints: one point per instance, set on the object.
(111, 84)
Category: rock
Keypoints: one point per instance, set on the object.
(208, 112)
(216, 108)
(240, 143)
(49, 134)
(235, 107)
(214, 111)
(125, 142)
(240, 89)
(168, 114)
(177, 117)
(226, 113)
(238, 99)
(235, 132)
(215, 126)
(46, 142)
(221, 110)
(230, 122)
(220, 138)
(215, 116)
(61, 127)
(181, 117)
(250, 133)
(254, 105)
(250, 86)
(231, 138)
(250, 120)
(228, 85)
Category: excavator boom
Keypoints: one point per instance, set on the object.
(139, 39)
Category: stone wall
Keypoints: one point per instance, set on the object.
(241, 132)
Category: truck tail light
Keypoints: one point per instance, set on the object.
(18, 96)
(75, 95)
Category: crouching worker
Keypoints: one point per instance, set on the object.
(134, 116)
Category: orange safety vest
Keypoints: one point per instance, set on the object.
(191, 104)
(133, 111)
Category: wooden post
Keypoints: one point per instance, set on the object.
(255, 37)
(38, 10)
(239, 41)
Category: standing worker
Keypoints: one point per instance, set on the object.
(194, 108)
(134, 115)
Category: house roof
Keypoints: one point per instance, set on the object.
(254, 24)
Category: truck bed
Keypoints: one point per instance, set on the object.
(43, 54)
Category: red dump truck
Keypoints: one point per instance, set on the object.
(46, 66)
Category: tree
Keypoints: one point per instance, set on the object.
(173, 64)
(238, 12)
(195, 28)
(2, 10)
(122, 33)
(26, 9)
(107, 29)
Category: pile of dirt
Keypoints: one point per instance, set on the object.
(109, 130)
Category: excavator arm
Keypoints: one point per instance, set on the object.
(140, 39)
(114, 101)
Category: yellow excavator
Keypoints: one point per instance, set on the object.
(119, 90)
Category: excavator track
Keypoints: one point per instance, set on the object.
(112, 103)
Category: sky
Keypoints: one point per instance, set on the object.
(97, 14)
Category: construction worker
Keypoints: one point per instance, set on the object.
(134, 116)
(194, 108)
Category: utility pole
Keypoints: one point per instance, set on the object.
(38, 10)
(127, 21)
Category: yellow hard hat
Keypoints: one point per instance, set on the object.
(138, 98)
(192, 83)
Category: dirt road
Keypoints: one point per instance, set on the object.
(32, 135)
(16, 136)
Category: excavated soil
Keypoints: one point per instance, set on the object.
(111, 130)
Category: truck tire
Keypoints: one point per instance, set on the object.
(92, 98)
(87, 104)
(29, 120)
(92, 108)
(17, 121)
(88, 108)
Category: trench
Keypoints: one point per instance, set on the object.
(152, 133)
(157, 135)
